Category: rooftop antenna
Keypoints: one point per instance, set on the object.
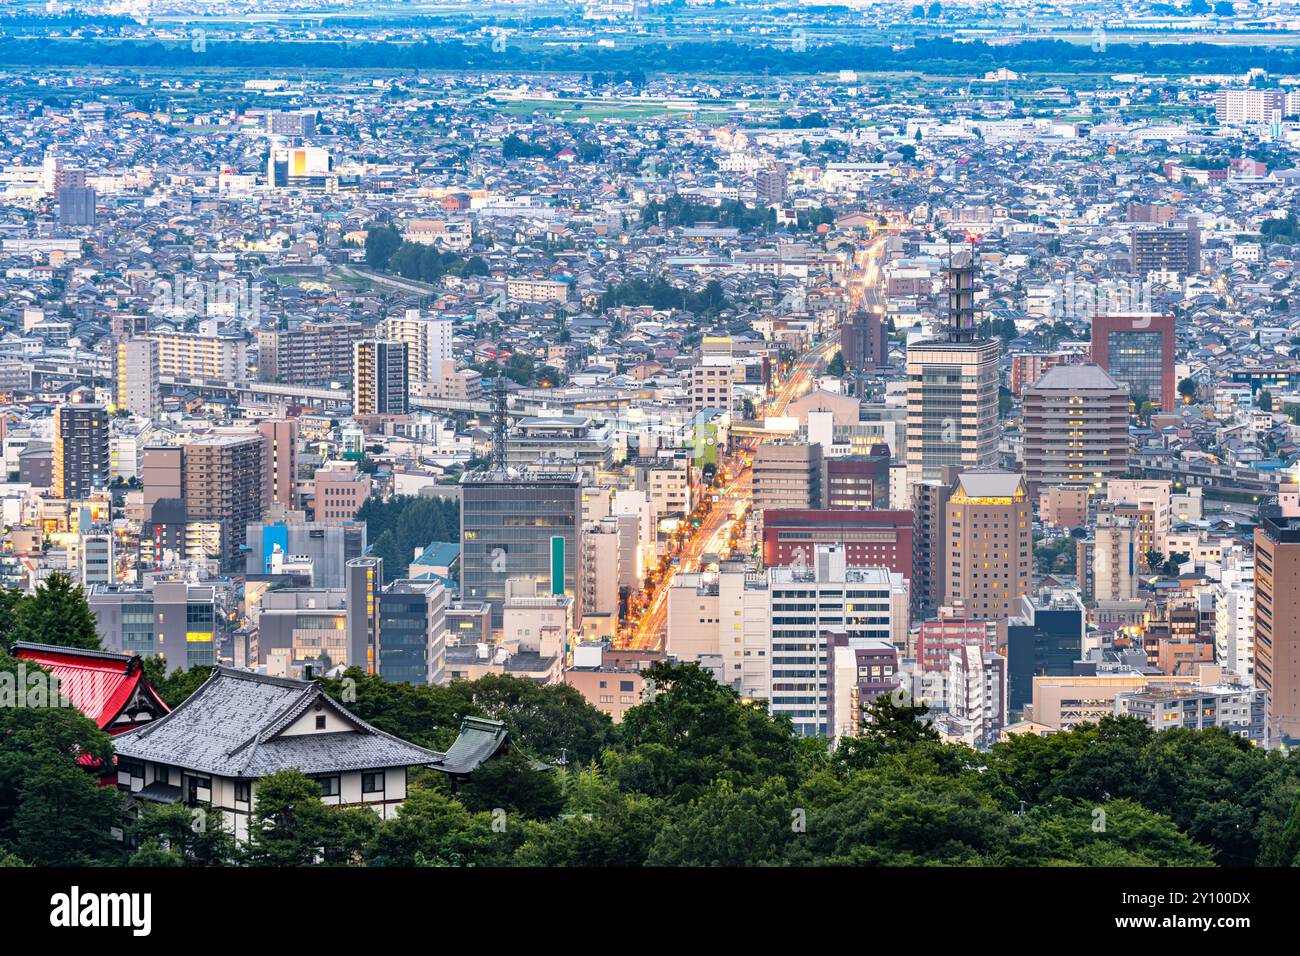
(961, 294)
(500, 423)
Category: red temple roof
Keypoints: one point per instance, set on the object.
(98, 683)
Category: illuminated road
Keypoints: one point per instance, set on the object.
(648, 631)
(711, 537)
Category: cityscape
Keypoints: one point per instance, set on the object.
(621, 433)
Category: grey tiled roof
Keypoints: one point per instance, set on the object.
(479, 739)
(233, 726)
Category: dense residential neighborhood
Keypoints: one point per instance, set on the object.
(625, 433)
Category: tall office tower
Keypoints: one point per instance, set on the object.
(1138, 350)
(1166, 249)
(413, 632)
(222, 483)
(1235, 107)
(864, 341)
(137, 376)
(310, 353)
(1075, 426)
(857, 481)
(80, 459)
(952, 391)
(771, 183)
(428, 343)
(280, 469)
(76, 205)
(379, 381)
(787, 475)
(364, 580)
(990, 543)
(521, 523)
(1277, 615)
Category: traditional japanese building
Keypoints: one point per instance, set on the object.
(241, 727)
(110, 689)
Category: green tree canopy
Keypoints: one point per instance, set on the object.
(55, 613)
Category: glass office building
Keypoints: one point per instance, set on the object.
(520, 524)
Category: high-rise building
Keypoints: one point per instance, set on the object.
(340, 488)
(364, 580)
(136, 376)
(280, 470)
(975, 707)
(327, 547)
(787, 475)
(76, 205)
(222, 483)
(80, 461)
(520, 524)
(301, 167)
(952, 406)
(1158, 214)
(291, 123)
(929, 504)
(949, 629)
(1075, 425)
(864, 341)
(1148, 503)
(1237, 107)
(310, 353)
(952, 391)
(220, 357)
(1277, 615)
(1234, 620)
(770, 184)
(1028, 367)
(1166, 249)
(173, 620)
(1138, 350)
(989, 543)
(1110, 563)
(807, 607)
(428, 343)
(772, 635)
(602, 573)
(379, 378)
